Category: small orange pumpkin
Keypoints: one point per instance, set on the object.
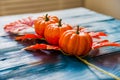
(75, 42)
(41, 22)
(54, 31)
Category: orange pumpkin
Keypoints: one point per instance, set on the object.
(75, 42)
(41, 22)
(54, 31)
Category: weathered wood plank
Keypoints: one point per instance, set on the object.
(9, 7)
(18, 64)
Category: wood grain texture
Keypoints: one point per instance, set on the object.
(17, 64)
(9, 7)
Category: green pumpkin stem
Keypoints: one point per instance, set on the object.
(77, 32)
(46, 17)
(60, 23)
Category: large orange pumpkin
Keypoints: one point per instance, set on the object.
(75, 42)
(54, 31)
(41, 22)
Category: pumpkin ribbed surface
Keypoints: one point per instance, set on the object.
(41, 22)
(53, 32)
(75, 44)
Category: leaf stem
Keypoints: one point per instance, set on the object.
(99, 69)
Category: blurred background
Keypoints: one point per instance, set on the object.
(11, 7)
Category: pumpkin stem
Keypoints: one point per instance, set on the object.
(59, 23)
(46, 17)
(77, 32)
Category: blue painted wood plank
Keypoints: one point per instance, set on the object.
(17, 64)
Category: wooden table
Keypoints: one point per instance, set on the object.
(17, 64)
